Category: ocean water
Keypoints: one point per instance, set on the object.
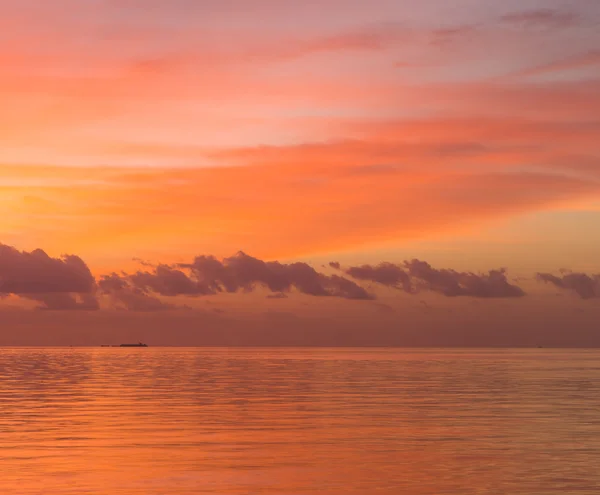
(111, 421)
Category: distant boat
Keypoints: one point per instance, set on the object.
(139, 344)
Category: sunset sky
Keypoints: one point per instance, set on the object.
(339, 172)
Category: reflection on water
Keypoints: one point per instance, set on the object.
(285, 421)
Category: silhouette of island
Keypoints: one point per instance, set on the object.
(139, 344)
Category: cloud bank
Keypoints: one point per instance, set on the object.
(66, 283)
(206, 275)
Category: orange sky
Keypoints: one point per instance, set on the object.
(465, 134)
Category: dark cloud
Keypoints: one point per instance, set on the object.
(342, 287)
(35, 272)
(584, 285)
(66, 283)
(127, 296)
(244, 272)
(385, 274)
(213, 273)
(169, 281)
(416, 275)
(112, 283)
(207, 275)
(57, 283)
(452, 283)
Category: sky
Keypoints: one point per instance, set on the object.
(264, 172)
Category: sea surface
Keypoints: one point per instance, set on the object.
(178, 421)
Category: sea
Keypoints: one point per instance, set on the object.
(183, 421)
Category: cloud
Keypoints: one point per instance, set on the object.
(244, 272)
(112, 283)
(127, 296)
(415, 275)
(64, 283)
(370, 39)
(452, 283)
(207, 275)
(584, 285)
(35, 272)
(67, 284)
(342, 287)
(168, 281)
(385, 273)
(448, 35)
(357, 187)
(581, 61)
(336, 211)
(142, 262)
(545, 18)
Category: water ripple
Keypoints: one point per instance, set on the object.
(298, 421)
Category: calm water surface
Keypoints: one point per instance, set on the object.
(297, 421)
